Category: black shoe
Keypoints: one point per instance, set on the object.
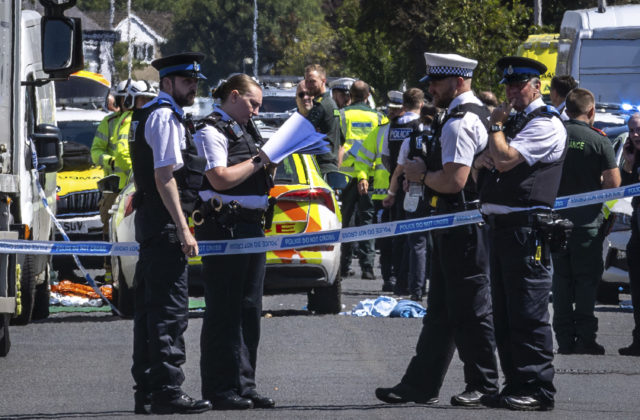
(467, 399)
(260, 401)
(402, 394)
(368, 275)
(388, 286)
(591, 347)
(526, 403)
(142, 402)
(492, 400)
(347, 273)
(183, 404)
(632, 350)
(233, 402)
(416, 297)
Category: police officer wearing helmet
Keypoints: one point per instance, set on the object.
(340, 91)
(459, 303)
(168, 174)
(234, 206)
(521, 171)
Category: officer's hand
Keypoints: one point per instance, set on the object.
(484, 161)
(501, 113)
(363, 186)
(414, 170)
(388, 201)
(188, 242)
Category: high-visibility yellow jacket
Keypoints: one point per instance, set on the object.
(356, 122)
(112, 151)
(369, 160)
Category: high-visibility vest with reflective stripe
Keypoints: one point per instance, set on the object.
(100, 147)
(120, 149)
(369, 159)
(357, 121)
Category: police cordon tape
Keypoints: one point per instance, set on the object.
(303, 240)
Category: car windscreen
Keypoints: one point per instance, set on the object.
(78, 131)
(278, 103)
(286, 172)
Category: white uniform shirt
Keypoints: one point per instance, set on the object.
(461, 138)
(165, 134)
(562, 109)
(214, 145)
(542, 140)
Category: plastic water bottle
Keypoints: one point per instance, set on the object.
(412, 197)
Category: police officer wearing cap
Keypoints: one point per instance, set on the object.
(340, 91)
(168, 174)
(521, 171)
(234, 205)
(459, 301)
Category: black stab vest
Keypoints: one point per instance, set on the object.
(397, 133)
(151, 212)
(429, 148)
(524, 185)
(242, 145)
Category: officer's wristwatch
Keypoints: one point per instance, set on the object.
(256, 159)
(496, 127)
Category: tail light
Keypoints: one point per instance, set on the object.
(316, 195)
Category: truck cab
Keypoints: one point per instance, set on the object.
(599, 49)
(35, 51)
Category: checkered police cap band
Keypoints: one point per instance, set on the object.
(449, 71)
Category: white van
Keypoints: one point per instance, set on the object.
(600, 50)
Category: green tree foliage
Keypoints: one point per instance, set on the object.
(482, 29)
(290, 34)
(121, 56)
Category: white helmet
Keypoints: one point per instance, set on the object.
(139, 88)
(121, 89)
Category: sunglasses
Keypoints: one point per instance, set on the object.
(303, 94)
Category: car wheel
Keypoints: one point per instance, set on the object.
(123, 295)
(42, 298)
(27, 291)
(326, 300)
(608, 293)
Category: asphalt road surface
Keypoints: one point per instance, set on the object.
(322, 367)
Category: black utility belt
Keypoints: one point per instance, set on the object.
(227, 215)
(529, 218)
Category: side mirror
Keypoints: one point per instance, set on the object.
(48, 142)
(61, 46)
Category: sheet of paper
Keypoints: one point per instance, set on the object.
(296, 134)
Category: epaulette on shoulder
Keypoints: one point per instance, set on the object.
(597, 130)
(211, 119)
(550, 110)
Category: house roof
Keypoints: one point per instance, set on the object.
(158, 22)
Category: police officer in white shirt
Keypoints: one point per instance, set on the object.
(168, 173)
(519, 180)
(459, 302)
(234, 206)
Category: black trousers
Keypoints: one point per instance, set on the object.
(459, 315)
(419, 244)
(161, 316)
(385, 245)
(520, 286)
(233, 287)
(400, 244)
(633, 260)
(362, 207)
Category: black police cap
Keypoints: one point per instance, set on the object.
(184, 64)
(519, 69)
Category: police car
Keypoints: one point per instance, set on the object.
(305, 203)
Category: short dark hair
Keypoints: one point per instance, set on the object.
(579, 102)
(488, 98)
(359, 91)
(411, 98)
(563, 84)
